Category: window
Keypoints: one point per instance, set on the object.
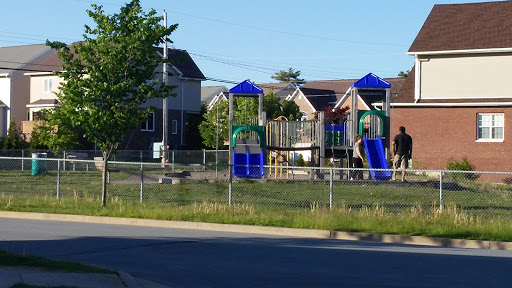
(148, 125)
(48, 83)
(37, 115)
(174, 127)
(490, 126)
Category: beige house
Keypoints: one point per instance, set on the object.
(15, 84)
(185, 75)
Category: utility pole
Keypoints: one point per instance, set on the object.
(164, 104)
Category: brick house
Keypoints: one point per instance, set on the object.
(457, 100)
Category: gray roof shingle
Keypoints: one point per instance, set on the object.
(18, 57)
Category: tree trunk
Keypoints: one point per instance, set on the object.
(104, 184)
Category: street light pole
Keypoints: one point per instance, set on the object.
(217, 145)
(164, 103)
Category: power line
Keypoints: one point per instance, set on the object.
(256, 27)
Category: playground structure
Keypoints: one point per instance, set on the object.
(247, 155)
(283, 138)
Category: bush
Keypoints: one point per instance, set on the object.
(462, 165)
(300, 161)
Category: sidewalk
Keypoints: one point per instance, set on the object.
(37, 277)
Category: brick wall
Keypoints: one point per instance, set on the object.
(443, 134)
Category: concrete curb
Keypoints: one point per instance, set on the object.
(278, 231)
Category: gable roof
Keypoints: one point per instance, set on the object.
(281, 89)
(182, 61)
(339, 88)
(17, 57)
(209, 92)
(319, 98)
(465, 27)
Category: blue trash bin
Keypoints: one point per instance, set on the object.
(39, 166)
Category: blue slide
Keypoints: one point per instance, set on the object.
(248, 161)
(376, 158)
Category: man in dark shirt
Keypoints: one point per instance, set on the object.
(402, 151)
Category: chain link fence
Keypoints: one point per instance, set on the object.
(185, 181)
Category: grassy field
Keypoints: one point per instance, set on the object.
(470, 209)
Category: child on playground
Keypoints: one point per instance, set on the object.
(358, 157)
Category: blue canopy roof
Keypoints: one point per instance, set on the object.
(371, 81)
(246, 87)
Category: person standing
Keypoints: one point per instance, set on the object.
(402, 152)
(358, 157)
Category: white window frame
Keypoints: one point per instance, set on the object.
(48, 85)
(492, 123)
(174, 127)
(147, 125)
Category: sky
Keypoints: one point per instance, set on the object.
(233, 40)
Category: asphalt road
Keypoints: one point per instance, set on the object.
(192, 258)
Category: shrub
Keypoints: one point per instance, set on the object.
(300, 161)
(462, 165)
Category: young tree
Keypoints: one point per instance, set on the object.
(335, 116)
(208, 128)
(13, 139)
(271, 105)
(291, 110)
(289, 76)
(110, 74)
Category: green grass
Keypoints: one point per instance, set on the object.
(10, 259)
(470, 210)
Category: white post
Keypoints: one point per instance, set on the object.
(441, 190)
(141, 178)
(58, 178)
(217, 144)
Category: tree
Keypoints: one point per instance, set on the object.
(271, 105)
(56, 131)
(13, 139)
(109, 75)
(208, 128)
(291, 110)
(334, 116)
(404, 74)
(289, 76)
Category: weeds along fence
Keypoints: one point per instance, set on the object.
(481, 194)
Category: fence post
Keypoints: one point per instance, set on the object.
(64, 157)
(441, 190)
(331, 187)
(172, 162)
(141, 178)
(22, 160)
(230, 167)
(217, 164)
(58, 178)
(204, 159)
